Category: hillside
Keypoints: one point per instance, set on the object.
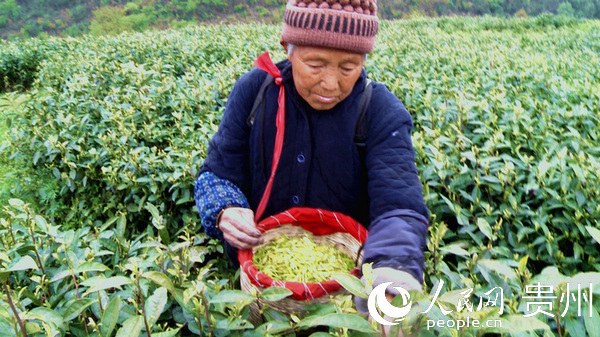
(99, 17)
(20, 18)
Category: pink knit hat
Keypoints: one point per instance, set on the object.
(349, 25)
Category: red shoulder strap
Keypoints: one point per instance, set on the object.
(264, 62)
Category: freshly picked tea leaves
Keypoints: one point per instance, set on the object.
(300, 259)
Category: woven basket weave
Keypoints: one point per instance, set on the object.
(345, 242)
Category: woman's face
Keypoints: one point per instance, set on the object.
(324, 77)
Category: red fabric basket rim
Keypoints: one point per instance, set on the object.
(316, 221)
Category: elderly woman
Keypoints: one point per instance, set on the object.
(319, 165)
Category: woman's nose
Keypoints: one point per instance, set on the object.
(329, 81)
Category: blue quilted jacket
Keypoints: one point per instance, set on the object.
(320, 166)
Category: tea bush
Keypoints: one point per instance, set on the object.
(505, 135)
(506, 122)
(124, 122)
(19, 64)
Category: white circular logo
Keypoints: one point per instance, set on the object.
(378, 295)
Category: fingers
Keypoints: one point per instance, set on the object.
(239, 229)
(240, 240)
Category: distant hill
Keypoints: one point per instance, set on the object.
(77, 17)
(28, 18)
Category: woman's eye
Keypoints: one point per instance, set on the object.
(347, 67)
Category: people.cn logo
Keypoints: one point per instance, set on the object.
(377, 299)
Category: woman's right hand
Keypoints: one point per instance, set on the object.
(239, 229)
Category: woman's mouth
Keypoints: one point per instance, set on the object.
(325, 99)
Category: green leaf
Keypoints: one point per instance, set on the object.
(121, 225)
(170, 333)
(110, 316)
(160, 279)
(163, 233)
(108, 223)
(179, 298)
(92, 280)
(456, 249)
(107, 283)
(90, 266)
(155, 305)
(48, 316)
(16, 202)
(594, 232)
(131, 327)
(275, 293)
(550, 276)
(60, 275)
(192, 323)
(575, 327)
(485, 228)
(518, 323)
(584, 279)
(272, 328)
(41, 223)
(450, 298)
(337, 320)
(6, 327)
(490, 179)
(231, 296)
(543, 167)
(351, 283)
(523, 263)
(25, 263)
(499, 267)
(578, 172)
(592, 324)
(460, 217)
(77, 307)
(234, 323)
(32, 328)
(24, 248)
(153, 210)
(319, 309)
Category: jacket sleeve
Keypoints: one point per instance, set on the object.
(399, 216)
(212, 195)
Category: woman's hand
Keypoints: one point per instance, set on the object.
(239, 229)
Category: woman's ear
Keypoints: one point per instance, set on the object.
(284, 45)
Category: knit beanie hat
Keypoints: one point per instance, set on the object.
(349, 25)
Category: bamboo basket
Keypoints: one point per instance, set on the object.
(342, 241)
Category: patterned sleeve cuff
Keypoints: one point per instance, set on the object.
(213, 194)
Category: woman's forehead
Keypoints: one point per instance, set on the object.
(326, 54)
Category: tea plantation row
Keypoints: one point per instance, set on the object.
(114, 130)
